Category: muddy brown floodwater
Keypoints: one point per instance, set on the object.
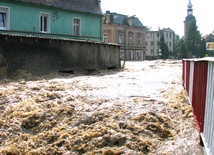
(140, 110)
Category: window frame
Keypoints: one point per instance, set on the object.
(151, 35)
(130, 53)
(139, 39)
(5, 10)
(147, 35)
(77, 26)
(120, 38)
(152, 43)
(42, 25)
(130, 38)
(105, 38)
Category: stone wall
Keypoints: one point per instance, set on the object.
(39, 55)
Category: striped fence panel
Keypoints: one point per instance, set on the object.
(208, 133)
(199, 83)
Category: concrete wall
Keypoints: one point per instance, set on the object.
(45, 55)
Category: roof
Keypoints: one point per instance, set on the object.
(189, 18)
(122, 19)
(86, 6)
(210, 38)
(52, 38)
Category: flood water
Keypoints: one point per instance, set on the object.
(140, 110)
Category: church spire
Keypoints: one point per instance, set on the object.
(188, 18)
(189, 5)
(189, 10)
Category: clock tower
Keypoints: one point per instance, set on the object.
(188, 18)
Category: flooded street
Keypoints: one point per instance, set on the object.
(141, 110)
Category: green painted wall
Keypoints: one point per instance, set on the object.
(26, 18)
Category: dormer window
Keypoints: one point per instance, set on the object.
(130, 20)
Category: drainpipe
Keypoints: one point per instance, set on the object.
(124, 62)
(101, 21)
(101, 29)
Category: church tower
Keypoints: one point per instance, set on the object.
(189, 18)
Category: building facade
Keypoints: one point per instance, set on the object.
(128, 32)
(78, 19)
(153, 39)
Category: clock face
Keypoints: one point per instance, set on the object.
(190, 12)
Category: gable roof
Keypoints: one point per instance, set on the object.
(86, 6)
(122, 19)
(210, 38)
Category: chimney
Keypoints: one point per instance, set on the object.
(108, 12)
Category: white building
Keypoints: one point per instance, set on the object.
(153, 39)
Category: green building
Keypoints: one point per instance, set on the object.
(73, 19)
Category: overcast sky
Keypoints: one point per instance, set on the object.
(165, 13)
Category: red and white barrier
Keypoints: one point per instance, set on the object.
(198, 79)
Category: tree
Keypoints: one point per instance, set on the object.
(193, 39)
(177, 40)
(202, 48)
(164, 48)
(183, 50)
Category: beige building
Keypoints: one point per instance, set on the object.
(128, 32)
(152, 43)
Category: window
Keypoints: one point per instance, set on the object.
(152, 51)
(122, 54)
(130, 34)
(166, 35)
(152, 43)
(44, 22)
(139, 39)
(146, 43)
(76, 26)
(4, 18)
(105, 38)
(130, 39)
(157, 35)
(170, 35)
(120, 38)
(158, 43)
(130, 55)
(147, 35)
(152, 35)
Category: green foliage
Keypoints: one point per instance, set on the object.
(193, 39)
(183, 50)
(177, 40)
(202, 49)
(164, 48)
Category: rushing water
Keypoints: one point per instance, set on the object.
(141, 110)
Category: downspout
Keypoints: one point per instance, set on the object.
(101, 21)
(101, 29)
